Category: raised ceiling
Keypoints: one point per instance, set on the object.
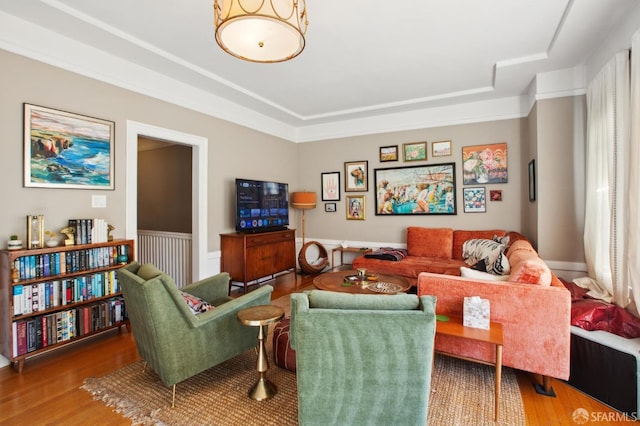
(366, 63)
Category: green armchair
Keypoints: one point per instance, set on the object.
(362, 359)
(174, 341)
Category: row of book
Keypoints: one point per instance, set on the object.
(66, 262)
(89, 231)
(29, 298)
(41, 331)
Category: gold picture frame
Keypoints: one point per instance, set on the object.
(441, 149)
(416, 151)
(356, 209)
(35, 231)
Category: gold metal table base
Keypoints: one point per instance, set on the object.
(263, 389)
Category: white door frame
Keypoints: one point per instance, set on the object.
(199, 157)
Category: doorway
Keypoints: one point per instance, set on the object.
(199, 154)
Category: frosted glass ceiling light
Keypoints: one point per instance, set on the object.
(261, 30)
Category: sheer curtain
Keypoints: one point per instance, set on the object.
(607, 155)
(633, 230)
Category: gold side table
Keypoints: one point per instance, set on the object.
(261, 316)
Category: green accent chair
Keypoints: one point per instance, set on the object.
(172, 340)
(362, 359)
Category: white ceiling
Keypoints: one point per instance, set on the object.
(366, 62)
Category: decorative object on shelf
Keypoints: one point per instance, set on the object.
(109, 229)
(344, 244)
(356, 176)
(267, 31)
(441, 149)
(475, 200)
(484, 164)
(88, 144)
(52, 241)
(330, 186)
(414, 151)
(416, 190)
(14, 243)
(303, 201)
(123, 257)
(69, 231)
(388, 153)
(356, 207)
(35, 231)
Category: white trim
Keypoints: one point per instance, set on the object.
(198, 181)
(566, 266)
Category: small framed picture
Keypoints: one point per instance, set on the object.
(388, 153)
(330, 207)
(355, 207)
(356, 176)
(495, 195)
(414, 151)
(331, 186)
(532, 180)
(475, 200)
(441, 149)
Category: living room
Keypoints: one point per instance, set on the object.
(546, 124)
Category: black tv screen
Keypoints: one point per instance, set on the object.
(261, 205)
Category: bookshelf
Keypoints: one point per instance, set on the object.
(50, 297)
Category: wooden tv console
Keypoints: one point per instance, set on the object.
(249, 257)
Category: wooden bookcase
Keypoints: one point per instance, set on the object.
(51, 297)
(248, 257)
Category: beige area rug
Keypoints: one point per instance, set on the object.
(462, 393)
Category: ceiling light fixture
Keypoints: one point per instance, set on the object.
(261, 30)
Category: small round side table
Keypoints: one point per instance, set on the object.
(261, 316)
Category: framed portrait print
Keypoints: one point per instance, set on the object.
(330, 207)
(388, 153)
(331, 186)
(484, 164)
(475, 200)
(416, 190)
(414, 151)
(441, 149)
(355, 207)
(356, 176)
(67, 150)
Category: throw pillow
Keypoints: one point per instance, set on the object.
(492, 252)
(196, 304)
(148, 271)
(479, 275)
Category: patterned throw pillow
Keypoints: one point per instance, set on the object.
(491, 252)
(196, 304)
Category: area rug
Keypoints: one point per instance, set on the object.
(462, 393)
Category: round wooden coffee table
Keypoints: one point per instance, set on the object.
(335, 281)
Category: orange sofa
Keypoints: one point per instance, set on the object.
(533, 305)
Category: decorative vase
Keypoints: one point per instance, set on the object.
(51, 242)
(14, 244)
(482, 175)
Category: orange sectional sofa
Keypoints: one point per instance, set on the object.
(533, 305)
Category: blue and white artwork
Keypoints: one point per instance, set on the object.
(65, 150)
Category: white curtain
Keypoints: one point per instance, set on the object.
(633, 197)
(607, 179)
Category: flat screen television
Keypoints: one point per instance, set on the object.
(261, 206)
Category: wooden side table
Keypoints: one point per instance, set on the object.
(343, 250)
(261, 316)
(454, 327)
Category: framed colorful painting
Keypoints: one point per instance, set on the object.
(331, 186)
(441, 149)
(484, 164)
(356, 176)
(475, 200)
(355, 207)
(414, 151)
(67, 150)
(388, 153)
(416, 190)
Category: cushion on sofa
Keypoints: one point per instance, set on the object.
(148, 271)
(459, 237)
(489, 251)
(479, 275)
(430, 242)
(196, 304)
(387, 253)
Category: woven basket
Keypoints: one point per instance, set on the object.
(316, 267)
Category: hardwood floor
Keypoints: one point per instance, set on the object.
(48, 390)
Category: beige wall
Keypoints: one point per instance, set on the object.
(329, 156)
(530, 208)
(164, 188)
(234, 151)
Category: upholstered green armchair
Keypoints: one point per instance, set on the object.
(362, 359)
(173, 340)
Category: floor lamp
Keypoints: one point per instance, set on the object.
(303, 201)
